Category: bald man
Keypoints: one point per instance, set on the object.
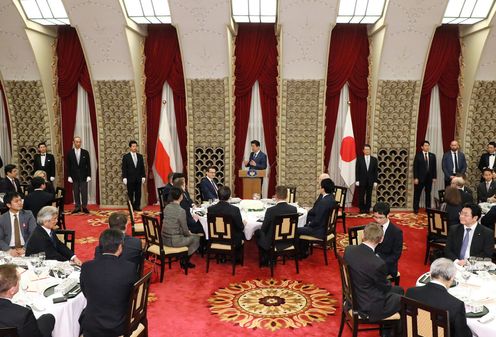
(453, 163)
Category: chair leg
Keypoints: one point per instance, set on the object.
(296, 263)
(271, 264)
(325, 252)
(355, 328)
(208, 259)
(242, 255)
(233, 261)
(341, 325)
(335, 248)
(162, 269)
(427, 251)
(170, 262)
(344, 224)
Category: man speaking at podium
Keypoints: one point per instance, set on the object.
(258, 159)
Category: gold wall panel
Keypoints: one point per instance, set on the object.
(301, 122)
(117, 124)
(29, 120)
(209, 127)
(395, 129)
(481, 126)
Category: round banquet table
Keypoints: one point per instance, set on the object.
(478, 290)
(253, 219)
(66, 313)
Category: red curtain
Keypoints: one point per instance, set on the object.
(72, 70)
(442, 69)
(348, 63)
(6, 114)
(163, 63)
(256, 60)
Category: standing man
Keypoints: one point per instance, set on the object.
(258, 159)
(366, 178)
(453, 163)
(10, 183)
(1, 162)
(487, 160)
(133, 174)
(79, 174)
(424, 174)
(45, 162)
(208, 187)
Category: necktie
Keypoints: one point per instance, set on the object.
(77, 156)
(465, 244)
(456, 163)
(213, 184)
(13, 183)
(17, 232)
(426, 161)
(367, 162)
(488, 186)
(52, 238)
(135, 160)
(255, 155)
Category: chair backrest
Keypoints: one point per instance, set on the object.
(421, 320)
(138, 304)
(25, 188)
(131, 216)
(8, 332)
(437, 222)
(59, 203)
(67, 237)
(161, 200)
(346, 285)
(355, 235)
(332, 220)
(220, 228)
(153, 231)
(291, 198)
(340, 196)
(285, 228)
(440, 194)
(60, 192)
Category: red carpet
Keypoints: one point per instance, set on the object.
(180, 307)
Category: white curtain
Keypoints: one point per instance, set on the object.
(5, 151)
(256, 131)
(333, 166)
(167, 111)
(83, 130)
(435, 137)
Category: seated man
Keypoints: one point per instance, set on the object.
(391, 247)
(265, 234)
(435, 293)
(131, 248)
(469, 238)
(38, 198)
(170, 180)
(106, 283)
(16, 225)
(318, 216)
(489, 220)
(17, 316)
(208, 187)
(10, 183)
(486, 188)
(376, 298)
(186, 203)
(44, 239)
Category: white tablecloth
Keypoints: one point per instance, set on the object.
(252, 221)
(66, 313)
(481, 291)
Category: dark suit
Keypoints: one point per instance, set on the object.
(448, 167)
(166, 191)
(207, 190)
(79, 173)
(438, 297)
(317, 217)
(186, 204)
(19, 317)
(224, 208)
(133, 174)
(374, 294)
(131, 250)
(489, 220)
(466, 195)
(1, 162)
(425, 173)
(484, 162)
(106, 283)
(482, 242)
(483, 193)
(260, 161)
(49, 167)
(265, 234)
(54, 249)
(453, 212)
(390, 248)
(366, 179)
(7, 186)
(27, 225)
(36, 200)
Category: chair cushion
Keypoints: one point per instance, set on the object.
(138, 331)
(155, 249)
(288, 248)
(393, 317)
(309, 238)
(220, 246)
(139, 227)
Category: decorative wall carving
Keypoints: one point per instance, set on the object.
(481, 126)
(117, 125)
(395, 128)
(301, 124)
(206, 156)
(209, 126)
(29, 122)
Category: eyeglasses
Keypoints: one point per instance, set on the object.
(379, 217)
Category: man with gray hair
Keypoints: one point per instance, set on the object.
(435, 293)
(45, 240)
(376, 297)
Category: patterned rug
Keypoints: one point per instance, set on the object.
(272, 304)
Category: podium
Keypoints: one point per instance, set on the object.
(252, 182)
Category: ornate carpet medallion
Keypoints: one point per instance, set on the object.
(272, 304)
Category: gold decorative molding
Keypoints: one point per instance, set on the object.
(301, 136)
(57, 120)
(118, 120)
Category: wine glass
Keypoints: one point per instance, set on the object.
(465, 276)
(38, 271)
(42, 256)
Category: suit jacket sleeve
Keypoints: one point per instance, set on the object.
(444, 164)
(141, 164)
(380, 277)
(263, 162)
(88, 166)
(267, 220)
(462, 162)
(482, 162)
(374, 173)
(183, 223)
(488, 242)
(416, 167)
(449, 250)
(433, 166)
(70, 163)
(30, 326)
(238, 221)
(397, 248)
(3, 235)
(461, 328)
(357, 169)
(64, 250)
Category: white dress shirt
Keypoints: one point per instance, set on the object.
(43, 159)
(491, 161)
